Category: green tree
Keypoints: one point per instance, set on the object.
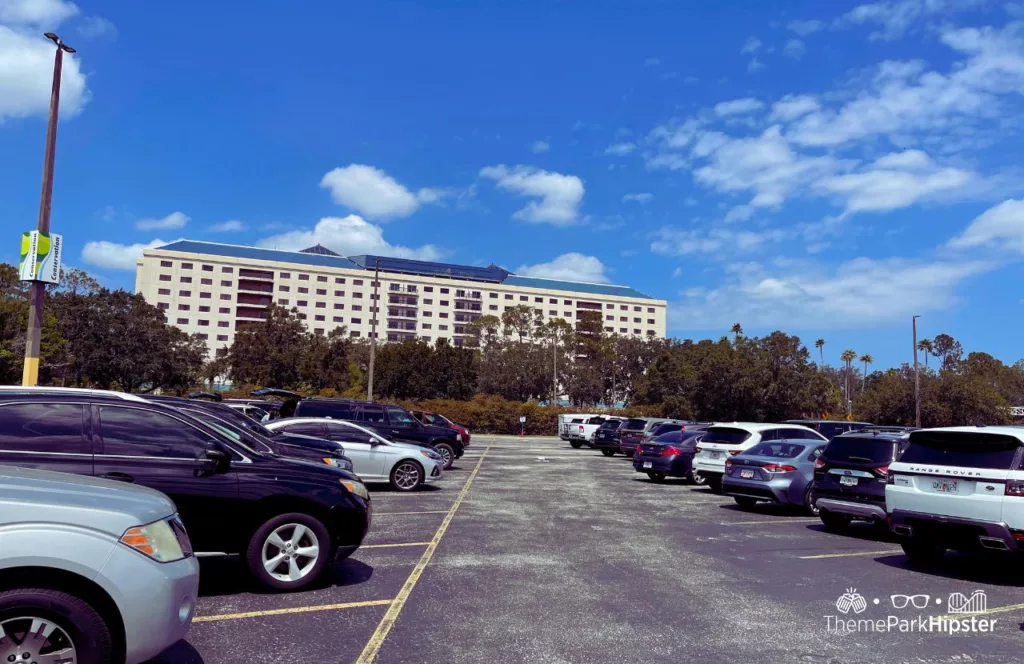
(949, 350)
(737, 331)
(848, 357)
(926, 347)
(269, 353)
(820, 345)
(866, 359)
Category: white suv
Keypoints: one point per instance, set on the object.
(723, 440)
(958, 488)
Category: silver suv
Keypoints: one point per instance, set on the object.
(91, 571)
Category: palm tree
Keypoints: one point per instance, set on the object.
(737, 329)
(820, 345)
(866, 359)
(928, 348)
(848, 357)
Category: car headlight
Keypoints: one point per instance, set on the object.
(433, 456)
(357, 488)
(156, 540)
(338, 463)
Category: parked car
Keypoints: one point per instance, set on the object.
(392, 422)
(669, 426)
(582, 432)
(91, 571)
(830, 428)
(606, 438)
(565, 419)
(253, 412)
(722, 441)
(778, 471)
(286, 517)
(630, 438)
(885, 428)
(850, 476)
(669, 455)
(377, 459)
(959, 488)
(442, 421)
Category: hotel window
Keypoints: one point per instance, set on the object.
(443, 315)
(623, 307)
(303, 277)
(623, 330)
(358, 296)
(185, 293)
(285, 275)
(493, 307)
(339, 305)
(609, 317)
(165, 277)
(164, 291)
(539, 300)
(428, 289)
(225, 296)
(184, 307)
(338, 319)
(493, 296)
(226, 282)
(205, 296)
(339, 293)
(353, 333)
(623, 319)
(650, 321)
(303, 289)
(222, 337)
(166, 264)
(636, 320)
(636, 331)
(568, 314)
(444, 303)
(186, 280)
(609, 306)
(357, 282)
(553, 300)
(523, 298)
(186, 266)
(320, 318)
(283, 301)
(508, 296)
(182, 321)
(321, 291)
(357, 321)
(427, 301)
(321, 278)
(284, 289)
(224, 310)
(204, 323)
(339, 280)
(321, 305)
(637, 308)
(567, 303)
(207, 268)
(302, 316)
(357, 307)
(650, 310)
(427, 314)
(227, 270)
(426, 326)
(444, 291)
(204, 309)
(302, 303)
(460, 293)
(609, 329)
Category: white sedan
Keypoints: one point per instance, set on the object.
(374, 458)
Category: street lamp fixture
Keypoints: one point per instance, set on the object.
(56, 40)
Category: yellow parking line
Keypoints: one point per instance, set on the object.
(376, 514)
(757, 523)
(388, 546)
(852, 554)
(998, 609)
(294, 609)
(369, 653)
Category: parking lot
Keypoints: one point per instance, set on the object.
(530, 551)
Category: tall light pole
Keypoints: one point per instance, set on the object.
(30, 374)
(373, 328)
(917, 379)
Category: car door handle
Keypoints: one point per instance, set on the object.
(120, 477)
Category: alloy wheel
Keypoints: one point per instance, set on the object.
(446, 455)
(407, 476)
(290, 552)
(32, 640)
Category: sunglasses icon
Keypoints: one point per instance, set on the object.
(901, 601)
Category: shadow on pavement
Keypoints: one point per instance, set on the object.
(994, 569)
(224, 576)
(181, 652)
(385, 489)
(767, 509)
(859, 530)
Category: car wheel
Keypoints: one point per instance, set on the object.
(44, 625)
(608, 453)
(576, 444)
(406, 476)
(698, 479)
(744, 502)
(656, 477)
(447, 453)
(810, 502)
(922, 553)
(833, 521)
(289, 551)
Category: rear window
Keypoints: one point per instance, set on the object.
(667, 427)
(636, 425)
(781, 450)
(858, 449)
(338, 411)
(948, 448)
(611, 424)
(831, 430)
(595, 420)
(725, 435)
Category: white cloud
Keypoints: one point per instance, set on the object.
(755, 65)
(652, 62)
(560, 195)
(751, 45)
(113, 256)
(671, 241)
(374, 193)
(794, 48)
(26, 72)
(804, 28)
(173, 220)
(620, 149)
(738, 106)
(795, 296)
(96, 27)
(230, 226)
(40, 13)
(1001, 225)
(569, 267)
(349, 236)
(642, 198)
(896, 17)
(540, 146)
(791, 107)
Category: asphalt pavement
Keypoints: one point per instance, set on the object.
(530, 551)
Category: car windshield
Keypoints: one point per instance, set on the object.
(860, 449)
(611, 424)
(241, 420)
(241, 435)
(726, 435)
(962, 449)
(780, 449)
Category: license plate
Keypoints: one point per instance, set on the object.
(848, 481)
(746, 474)
(948, 486)
(715, 455)
(648, 464)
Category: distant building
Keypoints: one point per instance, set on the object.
(216, 289)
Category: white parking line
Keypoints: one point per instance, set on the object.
(796, 519)
(852, 554)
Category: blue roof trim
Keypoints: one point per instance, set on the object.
(431, 269)
(257, 253)
(555, 284)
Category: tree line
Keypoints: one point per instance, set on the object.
(112, 339)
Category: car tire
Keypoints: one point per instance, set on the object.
(697, 478)
(608, 453)
(833, 521)
(745, 502)
(76, 623)
(656, 477)
(447, 453)
(922, 553)
(576, 444)
(407, 475)
(263, 550)
(810, 501)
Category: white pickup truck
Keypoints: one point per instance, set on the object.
(583, 431)
(570, 420)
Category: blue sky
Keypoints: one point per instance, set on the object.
(828, 169)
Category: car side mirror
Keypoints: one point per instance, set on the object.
(373, 441)
(219, 457)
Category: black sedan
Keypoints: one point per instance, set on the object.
(668, 455)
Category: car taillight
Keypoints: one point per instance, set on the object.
(581, 428)
(670, 451)
(776, 468)
(881, 471)
(728, 463)
(1014, 488)
(734, 452)
(698, 449)
(819, 463)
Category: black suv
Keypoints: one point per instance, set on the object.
(830, 428)
(286, 517)
(606, 438)
(850, 475)
(392, 422)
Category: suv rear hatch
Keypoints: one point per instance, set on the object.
(719, 443)
(955, 473)
(631, 433)
(854, 468)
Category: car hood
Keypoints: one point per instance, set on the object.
(321, 469)
(41, 496)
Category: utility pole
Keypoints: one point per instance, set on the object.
(373, 328)
(917, 379)
(554, 365)
(30, 374)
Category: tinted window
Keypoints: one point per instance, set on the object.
(944, 448)
(595, 420)
(371, 414)
(399, 417)
(667, 427)
(611, 424)
(780, 449)
(339, 411)
(725, 435)
(42, 427)
(831, 429)
(635, 425)
(136, 432)
(343, 434)
(872, 449)
(304, 428)
(670, 437)
(798, 434)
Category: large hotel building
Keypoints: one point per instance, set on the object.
(216, 289)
